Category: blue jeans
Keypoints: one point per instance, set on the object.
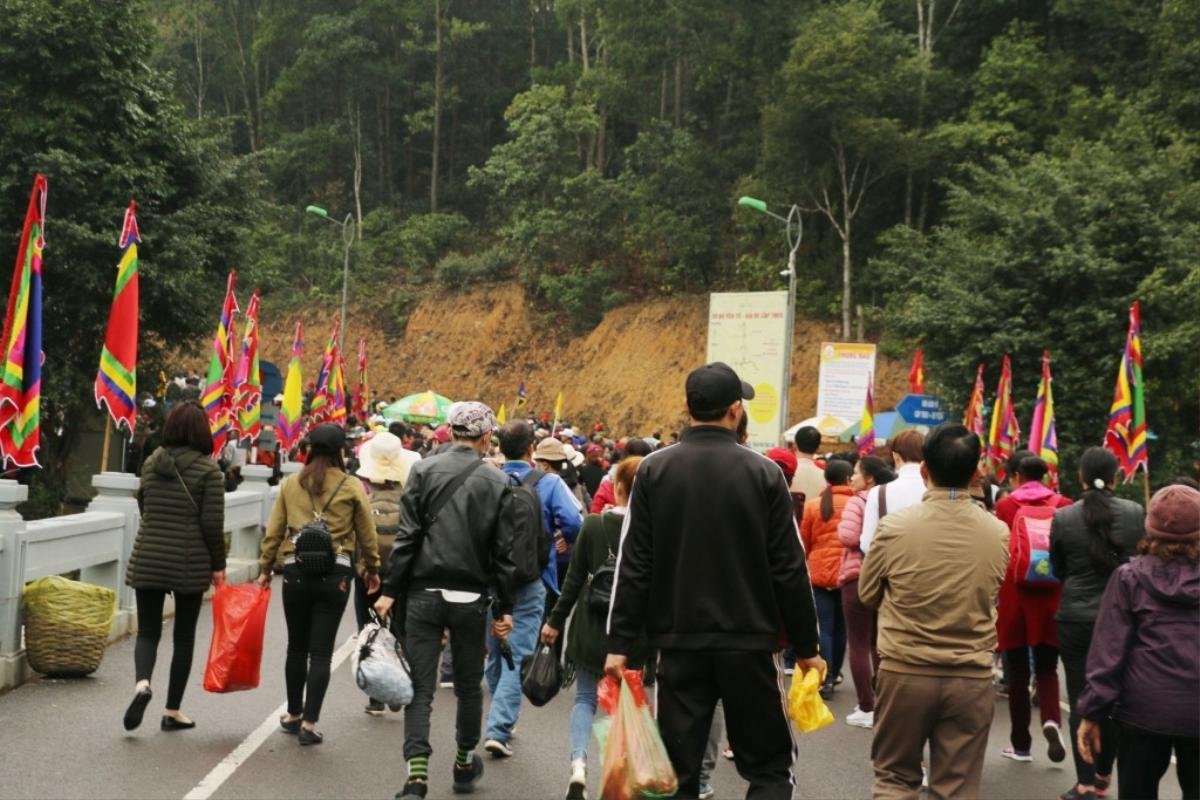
(529, 601)
(833, 630)
(583, 712)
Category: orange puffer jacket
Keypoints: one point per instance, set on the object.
(820, 538)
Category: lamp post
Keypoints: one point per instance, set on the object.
(348, 240)
(794, 229)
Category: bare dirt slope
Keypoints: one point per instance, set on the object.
(627, 372)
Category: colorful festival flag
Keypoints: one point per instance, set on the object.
(1005, 432)
(360, 389)
(335, 390)
(1043, 439)
(116, 379)
(973, 418)
(916, 373)
(522, 397)
(1126, 433)
(21, 378)
(247, 398)
(217, 398)
(502, 414)
(290, 424)
(319, 409)
(866, 428)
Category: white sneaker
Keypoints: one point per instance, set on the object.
(707, 792)
(577, 786)
(861, 719)
(1053, 734)
(498, 749)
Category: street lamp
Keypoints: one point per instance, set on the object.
(347, 239)
(794, 229)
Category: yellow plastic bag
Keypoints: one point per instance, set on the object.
(805, 706)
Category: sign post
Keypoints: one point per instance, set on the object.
(845, 372)
(748, 331)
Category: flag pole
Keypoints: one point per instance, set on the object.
(1146, 485)
(107, 442)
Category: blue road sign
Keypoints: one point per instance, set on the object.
(922, 409)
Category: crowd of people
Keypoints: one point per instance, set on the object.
(718, 571)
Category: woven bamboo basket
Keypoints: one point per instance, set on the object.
(66, 625)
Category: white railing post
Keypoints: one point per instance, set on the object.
(12, 579)
(257, 479)
(117, 492)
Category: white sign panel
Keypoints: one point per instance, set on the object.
(748, 331)
(846, 367)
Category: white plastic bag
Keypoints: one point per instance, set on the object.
(379, 666)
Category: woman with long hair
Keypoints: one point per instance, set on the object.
(1088, 541)
(860, 620)
(314, 597)
(587, 643)
(1144, 663)
(179, 550)
(819, 533)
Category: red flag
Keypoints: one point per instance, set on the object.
(218, 391)
(1005, 433)
(973, 419)
(1126, 432)
(116, 379)
(916, 373)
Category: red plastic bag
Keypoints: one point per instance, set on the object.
(636, 764)
(239, 622)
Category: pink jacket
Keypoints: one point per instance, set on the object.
(849, 532)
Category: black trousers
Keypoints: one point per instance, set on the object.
(428, 614)
(1143, 758)
(313, 608)
(752, 690)
(1074, 639)
(150, 623)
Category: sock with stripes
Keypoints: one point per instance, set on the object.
(418, 768)
(464, 758)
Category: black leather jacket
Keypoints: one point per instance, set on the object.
(468, 547)
(1071, 556)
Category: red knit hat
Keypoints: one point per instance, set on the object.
(1174, 514)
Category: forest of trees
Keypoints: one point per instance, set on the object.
(979, 176)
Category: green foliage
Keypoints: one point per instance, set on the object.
(462, 271)
(405, 249)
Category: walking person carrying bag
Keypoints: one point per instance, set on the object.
(318, 523)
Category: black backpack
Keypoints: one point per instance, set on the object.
(314, 543)
(531, 545)
(600, 582)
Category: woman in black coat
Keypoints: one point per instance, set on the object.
(180, 549)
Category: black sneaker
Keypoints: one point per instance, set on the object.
(465, 776)
(308, 737)
(413, 790)
(374, 708)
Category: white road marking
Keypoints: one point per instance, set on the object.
(213, 781)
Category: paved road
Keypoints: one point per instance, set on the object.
(63, 739)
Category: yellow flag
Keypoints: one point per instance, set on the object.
(502, 415)
(558, 406)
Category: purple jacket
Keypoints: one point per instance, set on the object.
(1143, 667)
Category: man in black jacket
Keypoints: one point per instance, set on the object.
(712, 567)
(452, 547)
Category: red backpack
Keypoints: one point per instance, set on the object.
(1029, 548)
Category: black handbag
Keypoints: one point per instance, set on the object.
(541, 676)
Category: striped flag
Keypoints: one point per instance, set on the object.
(248, 383)
(866, 428)
(21, 377)
(335, 390)
(1126, 433)
(218, 389)
(973, 418)
(319, 409)
(1043, 439)
(916, 373)
(1005, 432)
(116, 379)
(360, 389)
(291, 414)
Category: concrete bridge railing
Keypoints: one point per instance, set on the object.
(98, 542)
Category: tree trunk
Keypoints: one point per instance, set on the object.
(532, 37)
(679, 91)
(438, 77)
(198, 44)
(846, 279)
(251, 117)
(662, 96)
(583, 42)
(570, 44)
(358, 170)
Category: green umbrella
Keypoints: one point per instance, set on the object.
(427, 407)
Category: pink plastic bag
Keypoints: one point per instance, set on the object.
(239, 622)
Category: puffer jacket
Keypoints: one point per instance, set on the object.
(181, 540)
(820, 538)
(849, 532)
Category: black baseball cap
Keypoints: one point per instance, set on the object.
(327, 436)
(715, 386)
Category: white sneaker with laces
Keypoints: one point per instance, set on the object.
(1054, 738)
(497, 748)
(861, 719)
(707, 792)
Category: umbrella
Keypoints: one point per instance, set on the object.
(887, 425)
(427, 407)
